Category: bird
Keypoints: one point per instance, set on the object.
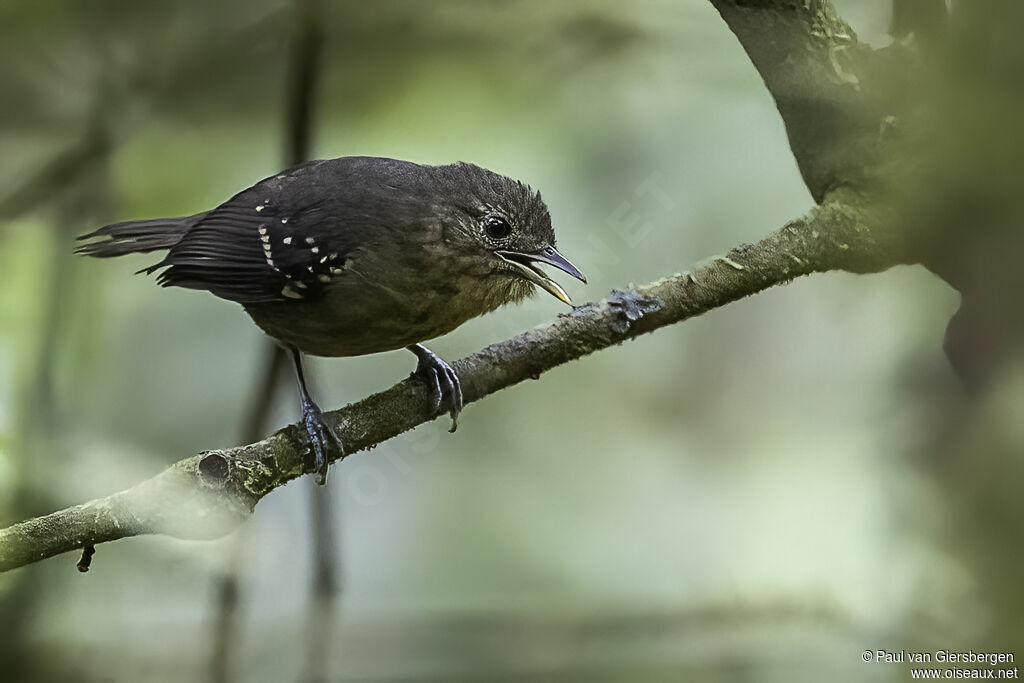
(358, 255)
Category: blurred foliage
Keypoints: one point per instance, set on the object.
(762, 493)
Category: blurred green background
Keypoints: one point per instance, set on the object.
(755, 494)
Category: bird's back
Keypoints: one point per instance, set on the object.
(335, 257)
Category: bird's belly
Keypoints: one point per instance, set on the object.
(352, 326)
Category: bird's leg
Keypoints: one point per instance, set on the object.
(322, 439)
(444, 385)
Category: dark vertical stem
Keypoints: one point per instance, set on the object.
(226, 628)
(255, 425)
(305, 50)
(306, 53)
(303, 65)
(225, 635)
(325, 584)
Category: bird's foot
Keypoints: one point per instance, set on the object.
(442, 382)
(323, 442)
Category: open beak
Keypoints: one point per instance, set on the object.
(524, 263)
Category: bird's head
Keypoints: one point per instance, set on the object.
(502, 230)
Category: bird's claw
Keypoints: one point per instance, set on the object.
(442, 382)
(323, 441)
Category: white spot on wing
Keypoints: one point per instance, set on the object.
(287, 240)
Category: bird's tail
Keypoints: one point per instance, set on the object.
(136, 237)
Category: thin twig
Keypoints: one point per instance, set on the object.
(86, 560)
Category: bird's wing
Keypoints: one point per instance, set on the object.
(278, 240)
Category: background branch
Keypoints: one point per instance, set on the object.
(820, 77)
(305, 47)
(209, 494)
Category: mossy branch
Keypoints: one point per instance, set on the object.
(818, 75)
(209, 494)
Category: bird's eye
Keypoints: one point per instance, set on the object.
(497, 227)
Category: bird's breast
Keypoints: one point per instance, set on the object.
(358, 317)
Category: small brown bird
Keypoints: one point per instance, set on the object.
(356, 255)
